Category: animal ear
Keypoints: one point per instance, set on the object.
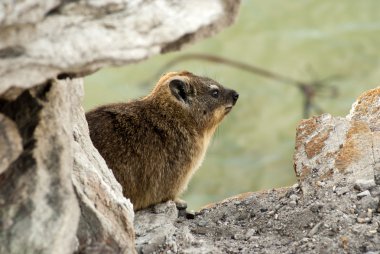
(178, 89)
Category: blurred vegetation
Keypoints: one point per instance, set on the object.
(306, 40)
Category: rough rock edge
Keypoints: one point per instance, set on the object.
(10, 142)
(330, 210)
(331, 150)
(107, 216)
(31, 46)
(37, 199)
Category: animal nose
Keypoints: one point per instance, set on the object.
(235, 96)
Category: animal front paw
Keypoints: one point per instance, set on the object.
(180, 204)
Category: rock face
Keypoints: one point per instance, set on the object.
(39, 40)
(106, 222)
(333, 209)
(337, 150)
(56, 193)
(37, 199)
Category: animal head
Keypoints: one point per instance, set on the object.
(202, 98)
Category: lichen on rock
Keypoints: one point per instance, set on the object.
(336, 148)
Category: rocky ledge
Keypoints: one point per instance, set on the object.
(334, 207)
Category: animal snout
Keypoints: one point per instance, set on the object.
(235, 96)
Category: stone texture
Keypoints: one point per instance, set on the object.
(336, 150)
(265, 222)
(42, 39)
(157, 231)
(46, 150)
(37, 200)
(10, 142)
(106, 216)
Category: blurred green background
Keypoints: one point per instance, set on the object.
(307, 40)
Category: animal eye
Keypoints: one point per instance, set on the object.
(215, 93)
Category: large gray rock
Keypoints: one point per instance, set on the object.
(38, 208)
(107, 216)
(41, 39)
(333, 150)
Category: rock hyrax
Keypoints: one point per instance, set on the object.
(155, 144)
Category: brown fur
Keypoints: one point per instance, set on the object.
(155, 144)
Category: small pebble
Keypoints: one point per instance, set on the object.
(321, 184)
(364, 184)
(315, 229)
(316, 207)
(293, 203)
(368, 202)
(363, 194)
(342, 190)
(371, 232)
(375, 192)
(369, 213)
(238, 236)
(362, 215)
(250, 232)
(363, 220)
(202, 223)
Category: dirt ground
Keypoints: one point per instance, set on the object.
(341, 219)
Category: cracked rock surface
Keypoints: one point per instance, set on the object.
(331, 150)
(37, 199)
(334, 207)
(106, 221)
(42, 39)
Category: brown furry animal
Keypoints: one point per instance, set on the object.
(155, 144)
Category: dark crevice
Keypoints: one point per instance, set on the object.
(24, 111)
(65, 76)
(42, 90)
(54, 196)
(12, 52)
(57, 9)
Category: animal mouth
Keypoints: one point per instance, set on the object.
(228, 109)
